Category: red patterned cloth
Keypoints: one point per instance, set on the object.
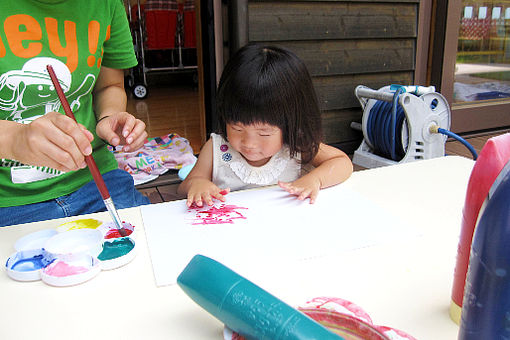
(161, 5)
(189, 5)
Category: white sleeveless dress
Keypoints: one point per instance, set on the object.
(231, 170)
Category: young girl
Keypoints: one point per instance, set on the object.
(269, 132)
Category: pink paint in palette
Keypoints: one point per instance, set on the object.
(61, 269)
(222, 214)
(79, 269)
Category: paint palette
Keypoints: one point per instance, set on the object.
(71, 254)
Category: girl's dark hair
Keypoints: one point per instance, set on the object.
(269, 84)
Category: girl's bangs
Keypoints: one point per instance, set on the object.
(257, 106)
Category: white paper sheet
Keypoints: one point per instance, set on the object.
(268, 226)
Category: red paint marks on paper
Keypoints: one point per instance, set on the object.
(221, 214)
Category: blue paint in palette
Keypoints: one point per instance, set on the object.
(29, 260)
(29, 264)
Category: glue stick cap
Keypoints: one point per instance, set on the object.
(244, 307)
(206, 282)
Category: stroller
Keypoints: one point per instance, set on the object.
(164, 37)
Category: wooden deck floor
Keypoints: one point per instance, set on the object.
(164, 188)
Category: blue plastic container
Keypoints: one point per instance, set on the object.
(486, 306)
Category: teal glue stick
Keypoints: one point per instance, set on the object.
(244, 307)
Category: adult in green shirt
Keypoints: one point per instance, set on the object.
(43, 174)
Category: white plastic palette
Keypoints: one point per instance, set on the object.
(73, 253)
(79, 241)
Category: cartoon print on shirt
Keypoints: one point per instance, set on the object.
(28, 94)
(31, 87)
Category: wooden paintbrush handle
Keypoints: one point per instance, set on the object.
(91, 163)
(94, 170)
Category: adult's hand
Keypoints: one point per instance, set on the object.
(122, 128)
(53, 140)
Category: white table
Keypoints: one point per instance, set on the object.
(404, 284)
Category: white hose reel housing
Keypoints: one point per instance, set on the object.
(421, 112)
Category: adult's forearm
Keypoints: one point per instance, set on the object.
(109, 94)
(8, 132)
(109, 100)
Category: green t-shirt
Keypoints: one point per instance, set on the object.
(76, 37)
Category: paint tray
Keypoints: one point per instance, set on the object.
(73, 253)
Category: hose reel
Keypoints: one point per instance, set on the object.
(401, 126)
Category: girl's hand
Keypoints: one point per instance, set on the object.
(304, 187)
(202, 189)
(122, 128)
(53, 140)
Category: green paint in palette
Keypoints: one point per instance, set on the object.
(116, 248)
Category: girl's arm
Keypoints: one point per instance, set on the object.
(198, 184)
(332, 166)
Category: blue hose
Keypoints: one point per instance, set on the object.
(460, 139)
(383, 122)
(394, 105)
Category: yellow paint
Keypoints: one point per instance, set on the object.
(88, 223)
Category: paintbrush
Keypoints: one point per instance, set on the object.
(91, 163)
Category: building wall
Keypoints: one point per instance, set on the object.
(343, 43)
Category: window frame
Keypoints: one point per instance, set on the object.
(469, 117)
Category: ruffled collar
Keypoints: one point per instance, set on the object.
(262, 175)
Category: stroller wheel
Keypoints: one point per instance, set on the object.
(140, 91)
